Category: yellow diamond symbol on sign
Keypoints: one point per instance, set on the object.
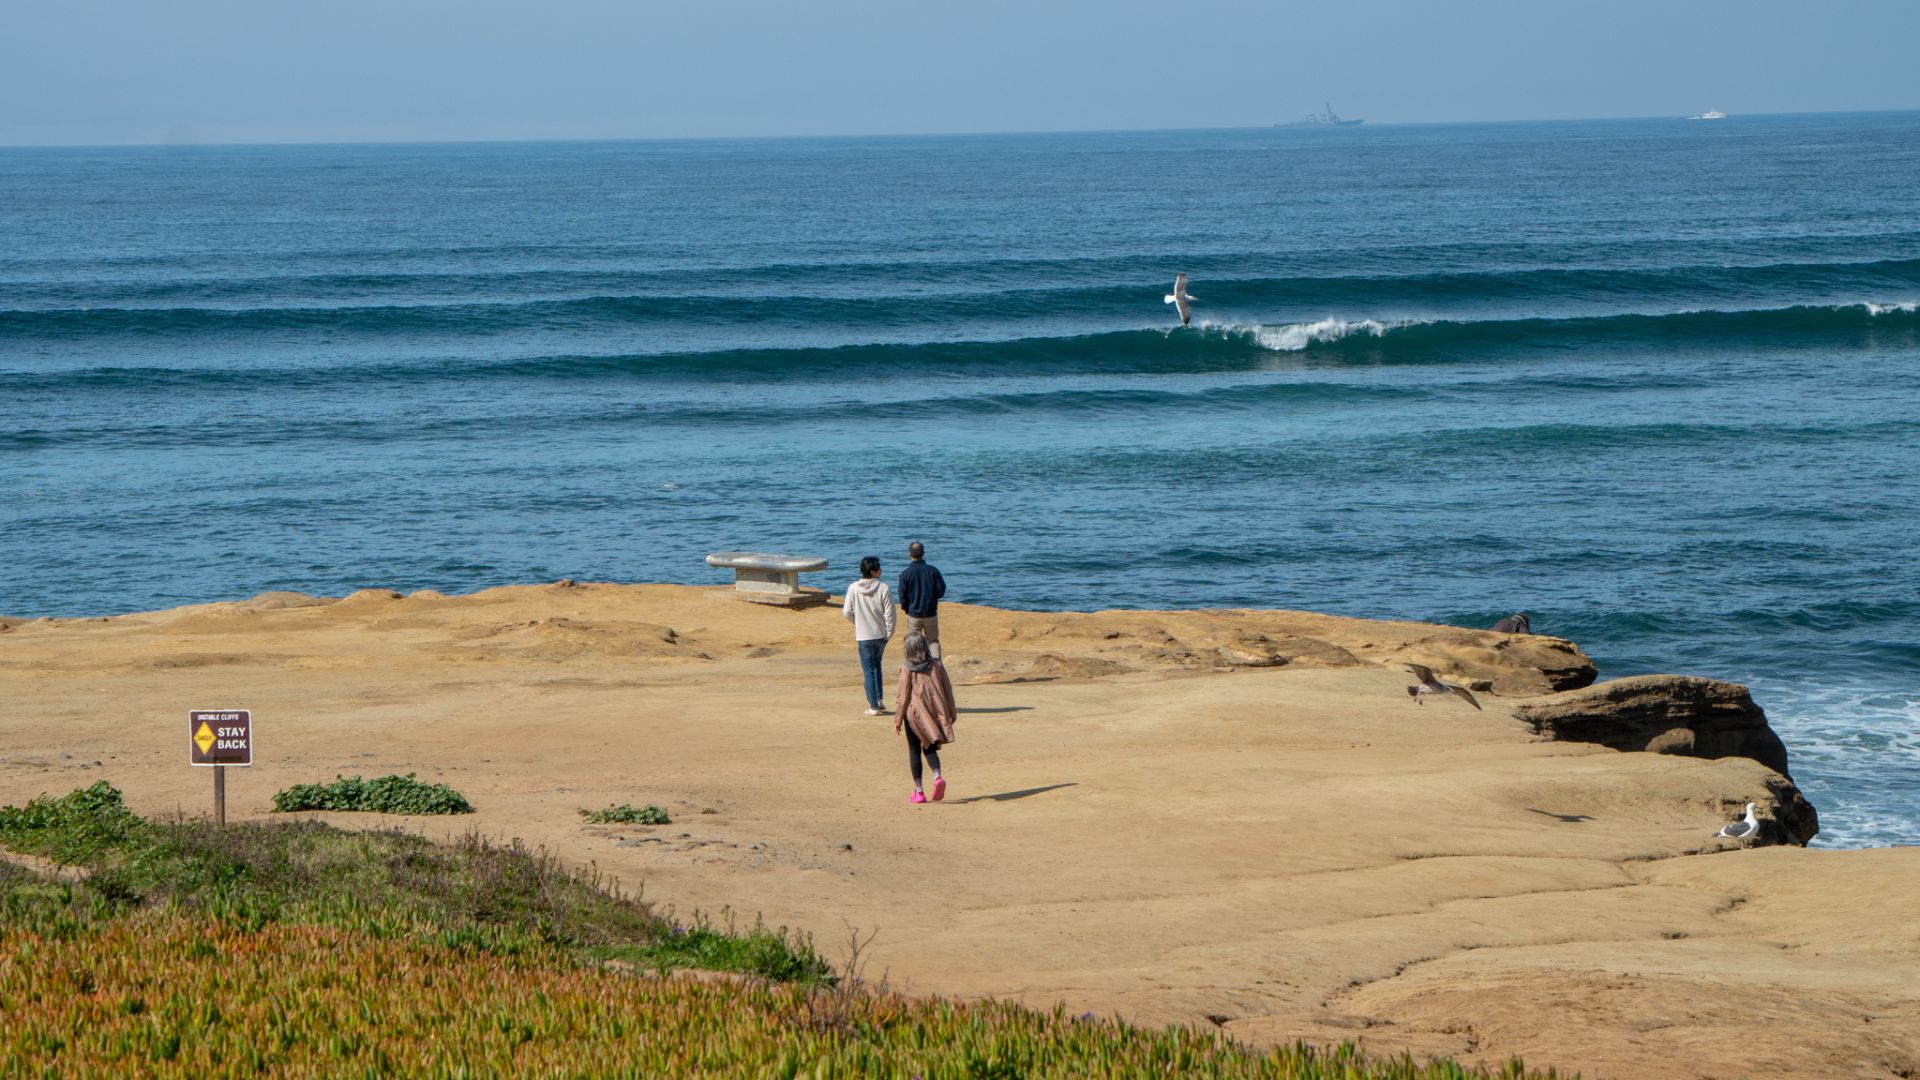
(203, 738)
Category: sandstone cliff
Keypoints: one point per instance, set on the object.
(1680, 714)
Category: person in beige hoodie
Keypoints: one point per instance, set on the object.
(869, 605)
(924, 709)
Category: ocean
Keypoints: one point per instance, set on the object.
(1651, 381)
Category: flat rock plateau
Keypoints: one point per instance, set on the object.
(1231, 818)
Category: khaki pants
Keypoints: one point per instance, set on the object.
(930, 627)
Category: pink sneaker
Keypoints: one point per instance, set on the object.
(939, 788)
(916, 797)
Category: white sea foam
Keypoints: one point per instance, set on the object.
(1855, 751)
(1293, 337)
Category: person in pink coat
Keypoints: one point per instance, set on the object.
(924, 709)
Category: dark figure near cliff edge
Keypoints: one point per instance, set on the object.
(1515, 623)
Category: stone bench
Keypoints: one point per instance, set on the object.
(769, 579)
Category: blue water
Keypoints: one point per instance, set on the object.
(1652, 381)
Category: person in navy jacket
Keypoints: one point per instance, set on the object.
(921, 588)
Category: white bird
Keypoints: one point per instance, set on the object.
(1431, 685)
(1743, 830)
(1180, 299)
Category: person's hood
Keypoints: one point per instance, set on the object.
(868, 585)
(922, 667)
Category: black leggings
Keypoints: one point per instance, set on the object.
(914, 750)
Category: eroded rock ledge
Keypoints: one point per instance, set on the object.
(1680, 714)
(1667, 714)
(1501, 663)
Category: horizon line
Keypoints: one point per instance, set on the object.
(970, 133)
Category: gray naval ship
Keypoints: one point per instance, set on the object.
(1322, 119)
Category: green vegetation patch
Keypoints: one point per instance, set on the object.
(386, 795)
(72, 828)
(758, 950)
(627, 814)
(470, 894)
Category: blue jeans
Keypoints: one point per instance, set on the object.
(870, 652)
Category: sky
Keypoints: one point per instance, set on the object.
(222, 71)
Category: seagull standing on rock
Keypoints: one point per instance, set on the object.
(1431, 685)
(1180, 299)
(1744, 830)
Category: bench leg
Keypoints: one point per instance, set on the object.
(781, 582)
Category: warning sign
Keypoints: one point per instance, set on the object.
(220, 737)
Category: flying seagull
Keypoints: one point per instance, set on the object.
(1431, 685)
(1743, 830)
(1180, 299)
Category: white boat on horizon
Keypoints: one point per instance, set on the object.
(1710, 114)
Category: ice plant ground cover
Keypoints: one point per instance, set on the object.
(292, 948)
(627, 814)
(177, 996)
(385, 795)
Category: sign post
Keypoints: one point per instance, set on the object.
(219, 738)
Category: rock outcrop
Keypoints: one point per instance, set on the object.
(1502, 663)
(1667, 714)
(1253, 649)
(1793, 818)
(1680, 714)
